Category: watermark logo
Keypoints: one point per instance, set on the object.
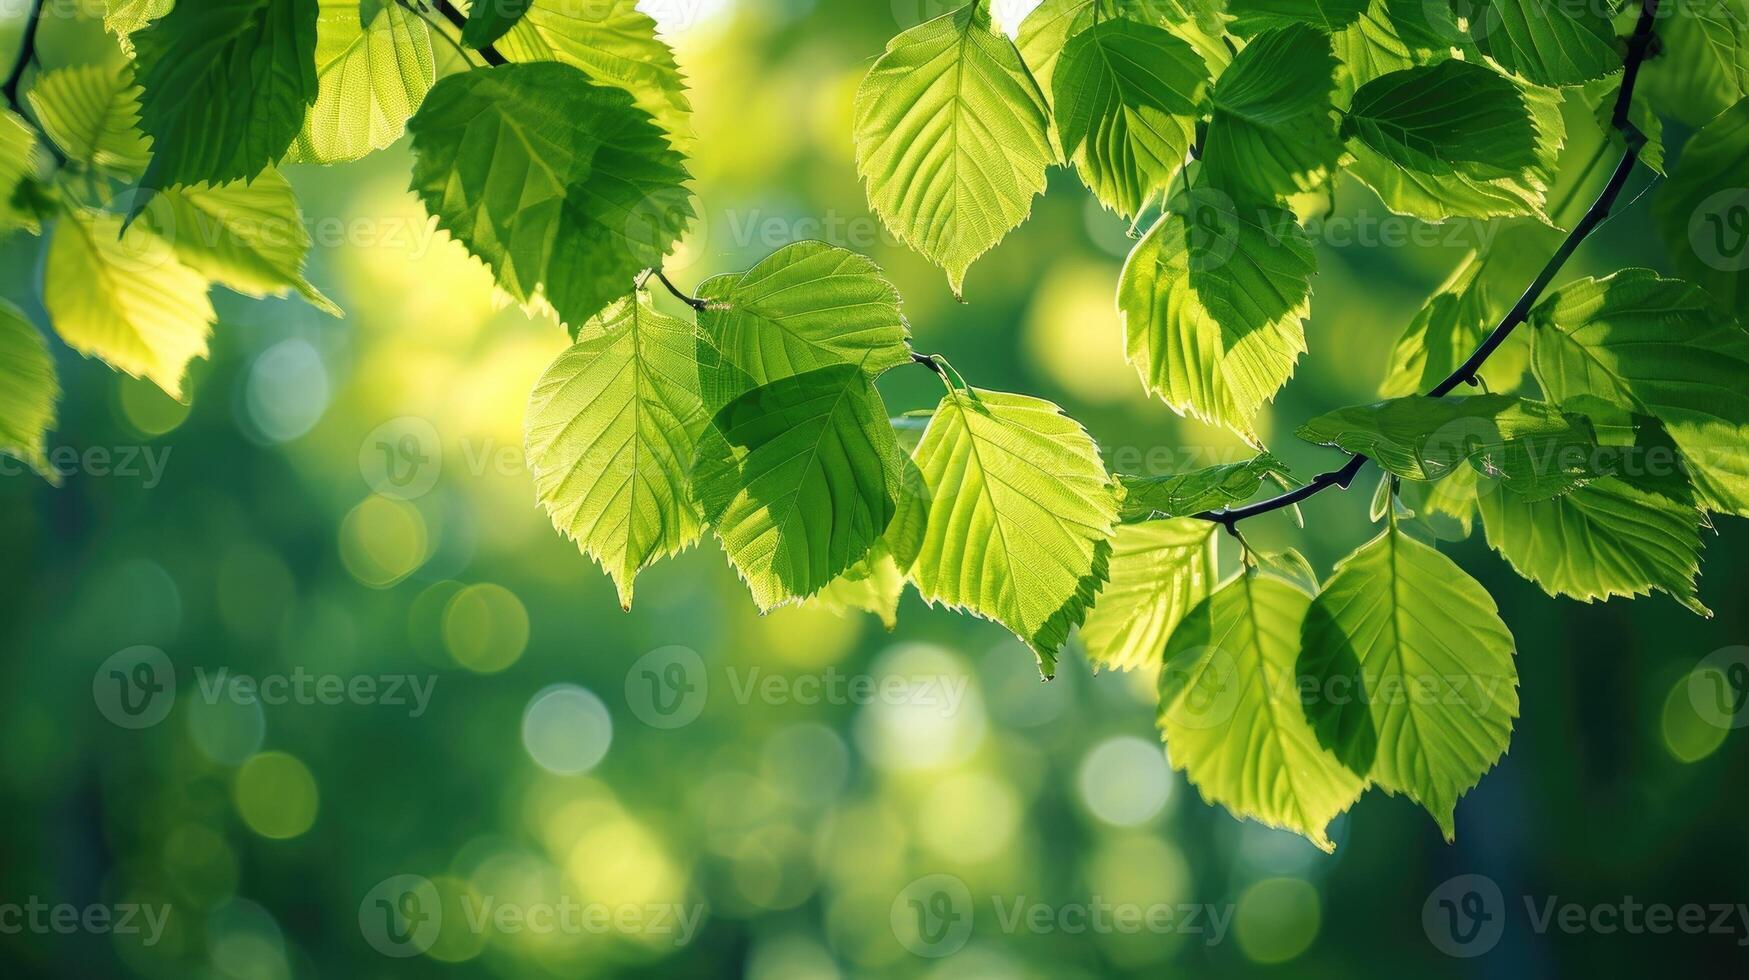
(667, 687)
(135, 688)
(1465, 916)
(402, 458)
(932, 916)
(43, 918)
(1719, 687)
(1718, 230)
(401, 916)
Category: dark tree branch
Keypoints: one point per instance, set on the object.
(1638, 46)
(26, 55)
(460, 20)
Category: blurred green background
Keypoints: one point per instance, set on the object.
(284, 526)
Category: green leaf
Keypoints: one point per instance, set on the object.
(565, 188)
(1272, 132)
(1392, 35)
(1702, 212)
(1659, 347)
(615, 44)
(872, 585)
(1017, 519)
(805, 306)
(1604, 95)
(1415, 685)
(1127, 98)
(1532, 447)
(124, 297)
(1213, 299)
(611, 431)
(1254, 16)
(1160, 570)
(489, 20)
(1703, 65)
(124, 18)
(1453, 117)
(1480, 291)
(370, 79)
(1210, 488)
(92, 112)
(1470, 190)
(249, 237)
(1050, 24)
(1546, 42)
(951, 138)
(799, 477)
(1231, 715)
(18, 171)
(1604, 539)
(28, 392)
(226, 84)
(1445, 507)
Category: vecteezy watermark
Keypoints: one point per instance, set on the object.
(754, 228)
(403, 916)
(1719, 687)
(38, 917)
(143, 463)
(1467, 915)
(668, 687)
(933, 916)
(1718, 230)
(136, 688)
(403, 457)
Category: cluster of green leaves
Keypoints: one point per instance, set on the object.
(152, 174)
(559, 162)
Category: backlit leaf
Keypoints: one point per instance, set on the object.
(1017, 519)
(951, 139)
(370, 81)
(29, 389)
(1231, 716)
(611, 430)
(1160, 570)
(1272, 132)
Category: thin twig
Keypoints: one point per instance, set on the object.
(1638, 45)
(26, 55)
(460, 20)
(673, 290)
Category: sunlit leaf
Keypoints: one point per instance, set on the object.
(1160, 570)
(1660, 347)
(1413, 680)
(611, 430)
(1329, 16)
(29, 389)
(92, 112)
(872, 585)
(1231, 714)
(951, 139)
(125, 298)
(371, 80)
(805, 306)
(249, 237)
(1017, 520)
(489, 20)
(1703, 65)
(1213, 299)
(1604, 539)
(18, 169)
(1127, 96)
(614, 43)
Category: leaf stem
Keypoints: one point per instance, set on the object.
(1638, 45)
(456, 17)
(673, 290)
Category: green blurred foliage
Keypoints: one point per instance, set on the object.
(831, 765)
